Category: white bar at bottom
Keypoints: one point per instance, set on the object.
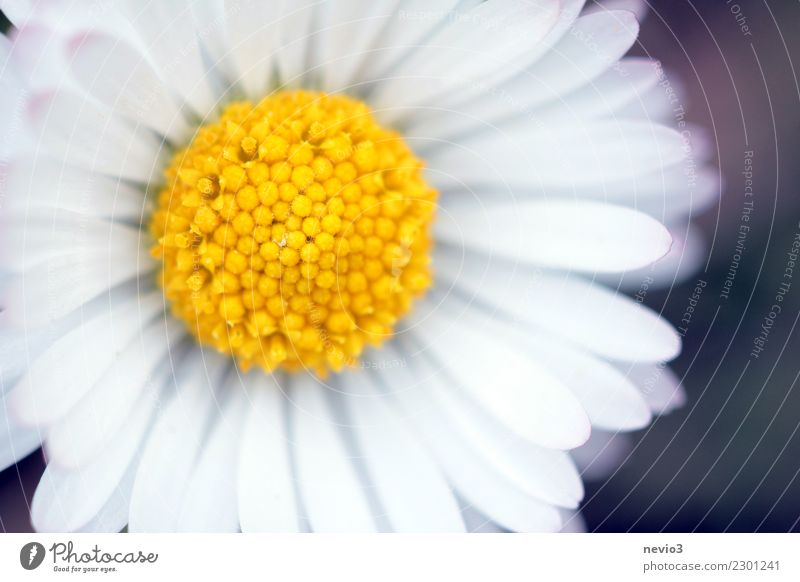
(390, 557)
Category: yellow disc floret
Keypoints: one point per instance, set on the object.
(294, 232)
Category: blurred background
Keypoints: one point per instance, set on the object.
(730, 459)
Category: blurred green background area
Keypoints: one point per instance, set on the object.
(730, 459)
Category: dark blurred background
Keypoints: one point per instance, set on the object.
(730, 459)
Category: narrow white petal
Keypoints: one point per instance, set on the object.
(16, 441)
(121, 78)
(254, 29)
(602, 454)
(478, 522)
(113, 516)
(168, 31)
(296, 41)
(135, 378)
(13, 93)
(347, 38)
(583, 236)
(544, 473)
(35, 185)
(591, 45)
(486, 490)
(76, 129)
(572, 522)
(267, 501)
(39, 52)
(57, 285)
(329, 486)
(500, 376)
(687, 256)
(210, 503)
(659, 385)
(637, 7)
(171, 450)
(69, 368)
(508, 31)
(67, 499)
(407, 481)
(610, 399)
(47, 233)
(566, 156)
(628, 81)
(406, 28)
(599, 320)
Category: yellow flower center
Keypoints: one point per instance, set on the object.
(294, 232)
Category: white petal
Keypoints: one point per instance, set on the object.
(13, 93)
(16, 441)
(478, 522)
(492, 495)
(39, 52)
(584, 236)
(637, 7)
(687, 256)
(629, 80)
(168, 31)
(59, 284)
(296, 41)
(135, 378)
(210, 503)
(572, 522)
(69, 368)
(407, 480)
(347, 38)
(693, 197)
(566, 156)
(546, 474)
(590, 47)
(254, 29)
(500, 376)
(611, 401)
(49, 233)
(67, 499)
(209, 17)
(508, 31)
(19, 347)
(45, 183)
(77, 130)
(659, 385)
(121, 78)
(329, 487)
(113, 516)
(603, 454)
(667, 194)
(407, 26)
(583, 312)
(267, 501)
(171, 449)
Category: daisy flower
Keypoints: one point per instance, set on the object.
(332, 265)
